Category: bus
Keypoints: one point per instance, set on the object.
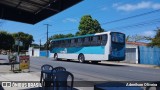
(92, 47)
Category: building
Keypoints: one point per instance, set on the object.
(132, 51)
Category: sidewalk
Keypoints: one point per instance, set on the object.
(130, 64)
(11, 78)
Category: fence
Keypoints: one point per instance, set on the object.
(44, 53)
(149, 55)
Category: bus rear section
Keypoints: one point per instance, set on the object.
(117, 47)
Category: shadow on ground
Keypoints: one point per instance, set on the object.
(102, 64)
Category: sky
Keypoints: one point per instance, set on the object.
(143, 18)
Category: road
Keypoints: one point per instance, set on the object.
(100, 72)
(4, 59)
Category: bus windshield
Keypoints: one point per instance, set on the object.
(118, 38)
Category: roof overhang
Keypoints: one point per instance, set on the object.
(32, 11)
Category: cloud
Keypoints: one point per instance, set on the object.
(133, 7)
(73, 20)
(104, 8)
(156, 6)
(148, 33)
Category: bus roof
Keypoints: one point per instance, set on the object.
(81, 36)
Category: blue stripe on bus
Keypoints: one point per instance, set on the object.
(77, 50)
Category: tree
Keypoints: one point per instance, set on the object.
(6, 40)
(136, 38)
(127, 38)
(88, 26)
(27, 39)
(156, 40)
(57, 36)
(69, 35)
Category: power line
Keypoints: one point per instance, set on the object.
(151, 22)
(139, 24)
(122, 19)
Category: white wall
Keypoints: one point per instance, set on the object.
(33, 52)
(36, 52)
(30, 51)
(133, 53)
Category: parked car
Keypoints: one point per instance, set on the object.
(3, 52)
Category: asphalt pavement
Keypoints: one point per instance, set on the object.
(6, 75)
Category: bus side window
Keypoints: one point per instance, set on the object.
(79, 42)
(99, 40)
(66, 44)
(95, 41)
(72, 43)
(104, 39)
(58, 43)
(51, 44)
(69, 42)
(75, 42)
(55, 44)
(100, 37)
(82, 40)
(92, 41)
(86, 41)
(63, 43)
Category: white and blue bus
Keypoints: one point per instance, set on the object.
(93, 47)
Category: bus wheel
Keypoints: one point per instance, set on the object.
(95, 62)
(81, 58)
(68, 59)
(55, 56)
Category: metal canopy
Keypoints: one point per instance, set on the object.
(32, 11)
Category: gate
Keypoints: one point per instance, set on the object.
(130, 55)
(149, 55)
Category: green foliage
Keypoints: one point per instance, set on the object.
(156, 39)
(88, 26)
(6, 40)
(137, 38)
(35, 45)
(57, 36)
(27, 39)
(127, 38)
(69, 35)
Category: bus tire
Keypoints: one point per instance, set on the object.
(68, 59)
(95, 62)
(56, 56)
(81, 58)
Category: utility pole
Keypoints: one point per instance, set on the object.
(18, 43)
(40, 44)
(47, 36)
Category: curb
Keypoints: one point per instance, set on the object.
(133, 65)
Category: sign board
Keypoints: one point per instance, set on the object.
(24, 62)
(17, 42)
